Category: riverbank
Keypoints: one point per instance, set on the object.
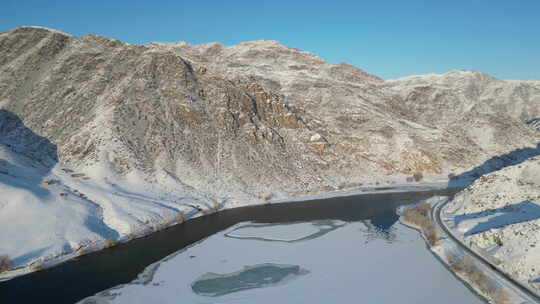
(76, 213)
(93, 273)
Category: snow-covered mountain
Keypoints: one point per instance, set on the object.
(132, 138)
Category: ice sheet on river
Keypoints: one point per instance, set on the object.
(358, 261)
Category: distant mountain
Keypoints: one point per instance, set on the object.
(232, 124)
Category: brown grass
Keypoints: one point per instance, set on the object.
(5, 262)
(267, 196)
(179, 218)
(419, 217)
(110, 243)
(38, 266)
(431, 235)
(467, 268)
(349, 185)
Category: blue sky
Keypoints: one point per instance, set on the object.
(387, 38)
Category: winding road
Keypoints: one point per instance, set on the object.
(517, 286)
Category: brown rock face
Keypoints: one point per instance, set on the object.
(247, 115)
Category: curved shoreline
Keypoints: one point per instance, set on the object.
(105, 269)
(197, 213)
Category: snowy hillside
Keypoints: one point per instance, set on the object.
(500, 214)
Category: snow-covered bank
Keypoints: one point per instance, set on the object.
(500, 216)
(478, 273)
(52, 215)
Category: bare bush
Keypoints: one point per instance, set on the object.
(179, 218)
(348, 185)
(431, 235)
(267, 196)
(453, 259)
(110, 243)
(5, 263)
(418, 176)
(468, 269)
(419, 216)
(38, 266)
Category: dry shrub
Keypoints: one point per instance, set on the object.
(5, 263)
(500, 296)
(110, 242)
(179, 218)
(38, 266)
(453, 259)
(418, 176)
(348, 185)
(431, 235)
(475, 276)
(419, 216)
(267, 196)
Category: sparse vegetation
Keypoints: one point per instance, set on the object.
(419, 216)
(431, 235)
(130, 236)
(38, 265)
(5, 262)
(418, 176)
(110, 243)
(452, 176)
(348, 185)
(180, 217)
(466, 268)
(267, 196)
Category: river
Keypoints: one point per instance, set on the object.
(339, 249)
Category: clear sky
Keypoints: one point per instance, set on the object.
(386, 38)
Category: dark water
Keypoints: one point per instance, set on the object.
(90, 274)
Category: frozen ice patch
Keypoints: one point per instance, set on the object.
(288, 233)
(257, 276)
